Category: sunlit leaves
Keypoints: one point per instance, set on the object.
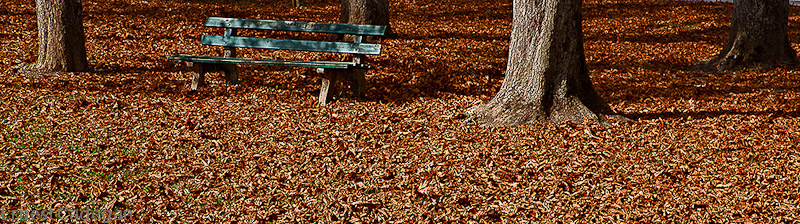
(702, 147)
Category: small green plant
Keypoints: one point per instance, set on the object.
(371, 190)
(672, 25)
(61, 196)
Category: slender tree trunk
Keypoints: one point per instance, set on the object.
(546, 78)
(371, 12)
(62, 43)
(759, 37)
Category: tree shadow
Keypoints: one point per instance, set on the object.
(688, 30)
(432, 77)
(97, 81)
(711, 114)
(7, 12)
(709, 34)
(635, 9)
(454, 34)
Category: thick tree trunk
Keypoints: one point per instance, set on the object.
(370, 12)
(546, 78)
(62, 43)
(759, 37)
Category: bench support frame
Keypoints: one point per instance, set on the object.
(200, 69)
(331, 78)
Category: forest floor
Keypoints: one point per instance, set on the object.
(700, 147)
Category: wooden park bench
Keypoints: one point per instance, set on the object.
(331, 71)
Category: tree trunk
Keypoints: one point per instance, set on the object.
(759, 37)
(546, 78)
(369, 12)
(62, 43)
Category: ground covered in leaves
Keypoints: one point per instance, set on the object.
(702, 147)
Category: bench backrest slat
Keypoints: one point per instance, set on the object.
(281, 25)
(296, 45)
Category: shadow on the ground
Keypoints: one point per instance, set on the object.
(711, 114)
(714, 34)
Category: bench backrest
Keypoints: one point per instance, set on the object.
(231, 40)
(279, 25)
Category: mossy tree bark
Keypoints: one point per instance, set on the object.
(546, 77)
(62, 42)
(759, 37)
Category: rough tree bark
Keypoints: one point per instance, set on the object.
(546, 77)
(62, 43)
(369, 12)
(759, 37)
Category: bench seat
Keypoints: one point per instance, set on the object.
(249, 61)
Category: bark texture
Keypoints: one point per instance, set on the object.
(546, 77)
(367, 12)
(62, 42)
(759, 37)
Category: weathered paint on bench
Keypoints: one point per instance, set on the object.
(298, 26)
(310, 64)
(294, 45)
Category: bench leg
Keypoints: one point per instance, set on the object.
(330, 81)
(358, 83)
(231, 73)
(324, 94)
(332, 77)
(198, 74)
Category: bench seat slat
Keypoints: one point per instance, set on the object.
(281, 25)
(296, 45)
(224, 60)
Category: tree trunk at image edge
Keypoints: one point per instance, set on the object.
(759, 37)
(62, 43)
(546, 77)
(367, 12)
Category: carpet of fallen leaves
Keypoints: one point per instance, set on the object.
(701, 147)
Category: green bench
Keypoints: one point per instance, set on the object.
(331, 71)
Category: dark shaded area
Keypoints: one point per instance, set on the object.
(622, 10)
(8, 12)
(772, 114)
(455, 36)
(714, 34)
